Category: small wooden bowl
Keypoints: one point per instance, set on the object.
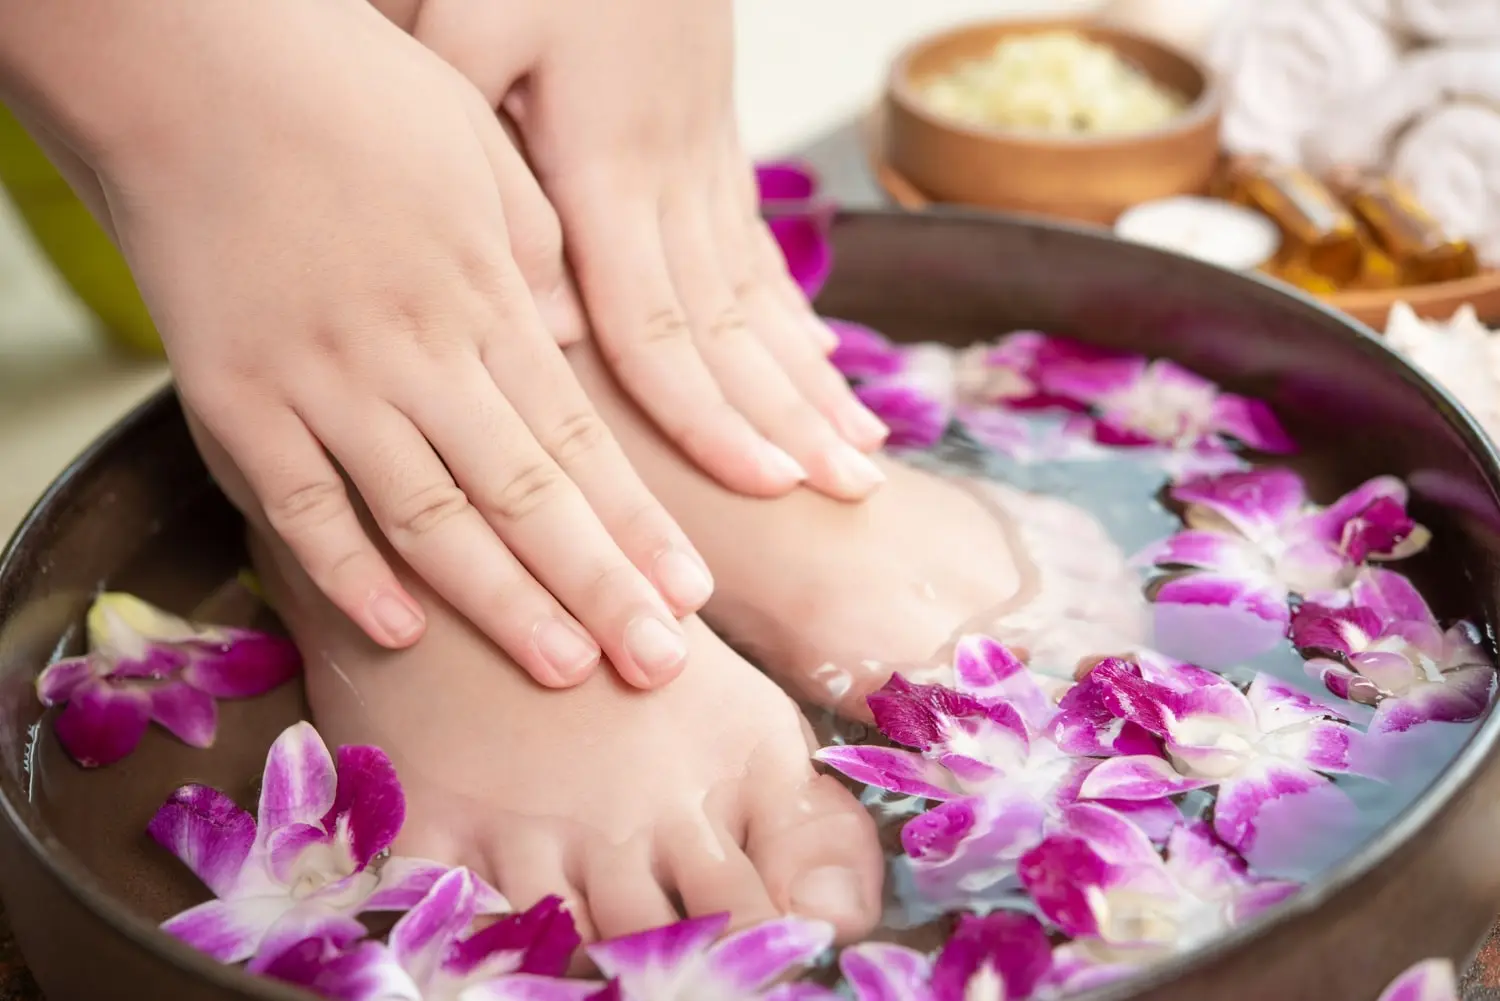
(1090, 179)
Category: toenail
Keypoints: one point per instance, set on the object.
(779, 464)
(856, 473)
(684, 580)
(829, 892)
(654, 646)
(570, 652)
(860, 425)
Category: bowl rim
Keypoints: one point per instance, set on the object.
(63, 866)
(900, 91)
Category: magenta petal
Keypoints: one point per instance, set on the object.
(525, 987)
(1217, 622)
(229, 931)
(303, 942)
(633, 956)
(300, 781)
(805, 245)
(1461, 696)
(879, 971)
(539, 941)
(1253, 501)
(1253, 597)
(369, 800)
(248, 663)
(208, 832)
(863, 353)
(1137, 778)
(1429, 980)
(188, 714)
(1086, 374)
(750, 959)
(785, 181)
(1004, 945)
(61, 678)
(916, 417)
(423, 936)
(1252, 423)
(1086, 722)
(363, 972)
(1061, 874)
(890, 768)
(1337, 631)
(986, 669)
(102, 723)
(1198, 548)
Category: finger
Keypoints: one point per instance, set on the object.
(751, 378)
(770, 269)
(808, 367)
(528, 500)
(431, 523)
(544, 390)
(304, 501)
(615, 244)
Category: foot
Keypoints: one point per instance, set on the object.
(636, 807)
(831, 598)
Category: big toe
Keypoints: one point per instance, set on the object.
(817, 850)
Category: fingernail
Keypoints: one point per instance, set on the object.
(856, 472)
(780, 465)
(827, 339)
(683, 580)
(654, 646)
(860, 425)
(830, 891)
(399, 620)
(567, 649)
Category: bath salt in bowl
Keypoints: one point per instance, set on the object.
(1285, 793)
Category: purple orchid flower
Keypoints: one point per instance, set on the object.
(1268, 750)
(1140, 402)
(143, 665)
(799, 221)
(1386, 649)
(1102, 882)
(998, 756)
(1253, 540)
(312, 853)
(909, 387)
(1429, 980)
(1004, 956)
(432, 955)
(687, 961)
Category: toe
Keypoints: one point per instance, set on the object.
(624, 894)
(712, 874)
(817, 851)
(529, 866)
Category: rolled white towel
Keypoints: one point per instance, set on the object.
(1185, 24)
(1461, 354)
(1359, 130)
(1451, 162)
(1448, 20)
(1284, 62)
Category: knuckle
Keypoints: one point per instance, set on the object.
(307, 507)
(727, 325)
(665, 326)
(530, 487)
(429, 508)
(576, 436)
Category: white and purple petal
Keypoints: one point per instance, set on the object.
(1429, 980)
(669, 947)
(208, 832)
(891, 768)
(1252, 423)
(863, 353)
(186, 713)
(1254, 502)
(879, 971)
(300, 781)
(369, 806)
(61, 678)
(750, 959)
(241, 664)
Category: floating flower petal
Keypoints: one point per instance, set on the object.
(144, 665)
(687, 961)
(313, 852)
(1429, 980)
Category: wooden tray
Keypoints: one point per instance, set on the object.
(1438, 301)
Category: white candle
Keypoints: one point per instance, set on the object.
(1209, 229)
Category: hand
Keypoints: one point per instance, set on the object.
(627, 112)
(327, 258)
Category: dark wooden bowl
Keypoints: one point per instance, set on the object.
(84, 887)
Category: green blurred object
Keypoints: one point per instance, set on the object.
(75, 244)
